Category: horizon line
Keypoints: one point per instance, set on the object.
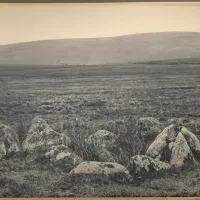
(93, 38)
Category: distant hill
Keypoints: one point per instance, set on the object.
(122, 49)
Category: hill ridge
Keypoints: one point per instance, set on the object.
(106, 50)
(105, 37)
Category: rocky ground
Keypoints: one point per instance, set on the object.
(132, 131)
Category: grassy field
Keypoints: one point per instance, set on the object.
(80, 100)
(99, 94)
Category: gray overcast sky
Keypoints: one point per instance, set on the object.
(28, 23)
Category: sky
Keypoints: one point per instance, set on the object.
(42, 22)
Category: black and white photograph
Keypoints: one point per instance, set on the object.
(99, 100)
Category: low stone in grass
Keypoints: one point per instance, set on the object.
(63, 157)
(102, 138)
(104, 170)
(104, 145)
(144, 165)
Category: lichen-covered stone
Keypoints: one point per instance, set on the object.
(41, 134)
(148, 128)
(102, 138)
(145, 164)
(63, 156)
(161, 141)
(192, 140)
(103, 145)
(101, 169)
(181, 152)
(9, 141)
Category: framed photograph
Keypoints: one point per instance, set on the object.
(100, 100)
